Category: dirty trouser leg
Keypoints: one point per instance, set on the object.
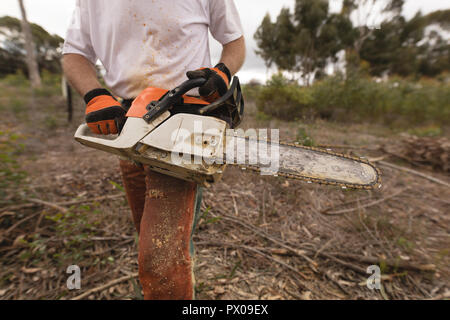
(165, 262)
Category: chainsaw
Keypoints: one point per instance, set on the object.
(188, 138)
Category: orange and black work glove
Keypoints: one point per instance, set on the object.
(218, 79)
(103, 112)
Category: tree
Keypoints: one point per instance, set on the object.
(409, 47)
(380, 41)
(367, 16)
(304, 41)
(265, 40)
(13, 52)
(30, 47)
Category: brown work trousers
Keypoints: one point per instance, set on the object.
(163, 210)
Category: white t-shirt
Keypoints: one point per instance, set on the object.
(144, 43)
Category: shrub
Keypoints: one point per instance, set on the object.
(358, 98)
(283, 99)
(17, 79)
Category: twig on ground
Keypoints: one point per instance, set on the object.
(410, 161)
(336, 283)
(391, 263)
(417, 173)
(268, 237)
(17, 207)
(445, 295)
(236, 211)
(20, 222)
(418, 286)
(323, 247)
(232, 245)
(67, 203)
(345, 264)
(49, 204)
(110, 197)
(41, 216)
(104, 287)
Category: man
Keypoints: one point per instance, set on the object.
(144, 43)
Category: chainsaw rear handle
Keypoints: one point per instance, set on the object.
(134, 130)
(156, 108)
(84, 136)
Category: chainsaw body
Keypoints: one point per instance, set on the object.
(174, 134)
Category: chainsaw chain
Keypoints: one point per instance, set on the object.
(322, 181)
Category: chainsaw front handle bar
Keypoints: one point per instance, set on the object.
(233, 98)
(156, 108)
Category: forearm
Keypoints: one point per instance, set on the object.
(80, 73)
(233, 55)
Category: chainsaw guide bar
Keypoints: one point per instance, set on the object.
(322, 166)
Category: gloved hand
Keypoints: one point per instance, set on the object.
(104, 113)
(218, 79)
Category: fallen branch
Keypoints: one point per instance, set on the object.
(336, 283)
(274, 240)
(414, 172)
(49, 204)
(371, 204)
(335, 256)
(17, 207)
(67, 203)
(391, 263)
(106, 286)
(445, 295)
(275, 260)
(343, 263)
(410, 161)
(110, 197)
(232, 245)
(19, 223)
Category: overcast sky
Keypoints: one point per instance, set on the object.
(54, 16)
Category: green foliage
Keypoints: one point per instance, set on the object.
(402, 47)
(11, 175)
(16, 97)
(283, 99)
(251, 90)
(303, 138)
(17, 79)
(405, 244)
(48, 47)
(51, 85)
(235, 267)
(441, 17)
(428, 131)
(18, 106)
(75, 227)
(206, 217)
(117, 186)
(358, 98)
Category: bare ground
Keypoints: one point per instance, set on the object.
(259, 237)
